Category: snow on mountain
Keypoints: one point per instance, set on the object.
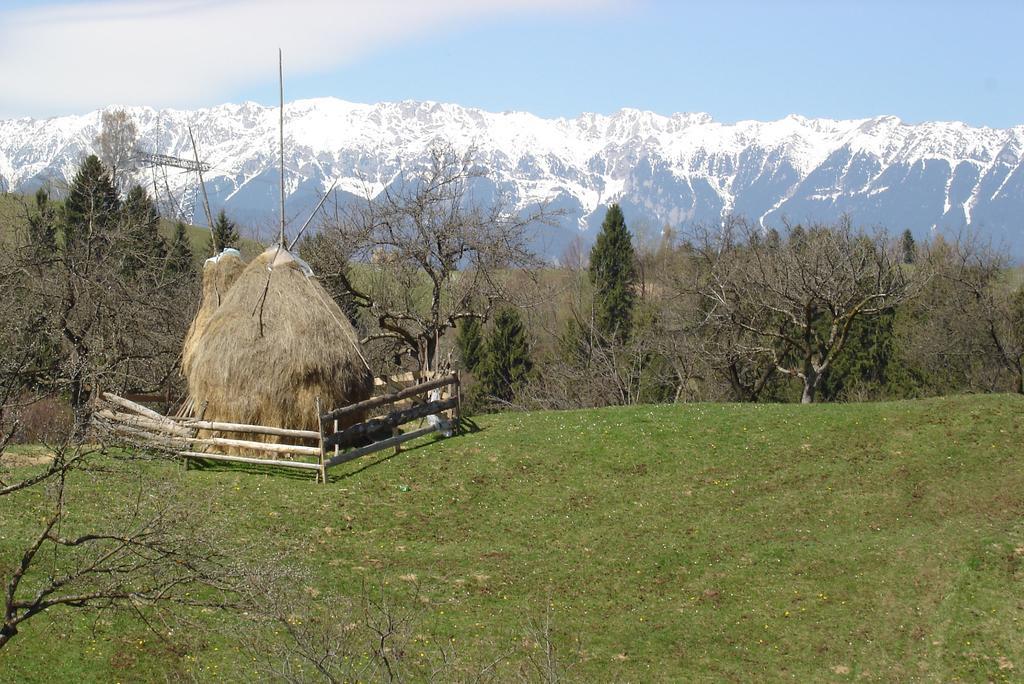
(662, 169)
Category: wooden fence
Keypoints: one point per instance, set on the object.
(436, 401)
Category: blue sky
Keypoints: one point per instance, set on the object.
(735, 59)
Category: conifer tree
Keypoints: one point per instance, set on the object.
(144, 247)
(908, 247)
(470, 342)
(224, 231)
(90, 210)
(179, 256)
(507, 363)
(613, 275)
(42, 230)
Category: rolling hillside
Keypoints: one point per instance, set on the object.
(668, 543)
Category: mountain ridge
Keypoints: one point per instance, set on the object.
(663, 169)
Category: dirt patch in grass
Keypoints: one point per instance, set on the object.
(26, 456)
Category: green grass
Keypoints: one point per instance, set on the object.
(672, 543)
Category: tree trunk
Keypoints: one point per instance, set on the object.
(811, 377)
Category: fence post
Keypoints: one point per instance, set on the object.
(195, 433)
(322, 473)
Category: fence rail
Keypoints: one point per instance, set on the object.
(438, 401)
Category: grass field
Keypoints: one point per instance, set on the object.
(880, 542)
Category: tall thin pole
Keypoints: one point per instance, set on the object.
(318, 205)
(280, 78)
(206, 200)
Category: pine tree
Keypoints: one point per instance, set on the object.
(613, 275)
(90, 210)
(908, 247)
(140, 223)
(224, 232)
(42, 229)
(179, 256)
(471, 344)
(507, 364)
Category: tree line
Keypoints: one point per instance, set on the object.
(814, 313)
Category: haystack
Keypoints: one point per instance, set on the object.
(275, 344)
(219, 274)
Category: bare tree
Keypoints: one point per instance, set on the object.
(426, 253)
(116, 145)
(147, 554)
(793, 303)
(89, 307)
(978, 274)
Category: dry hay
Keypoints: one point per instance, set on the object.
(219, 274)
(275, 344)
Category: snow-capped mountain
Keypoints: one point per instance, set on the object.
(662, 169)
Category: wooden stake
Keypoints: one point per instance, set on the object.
(206, 200)
(322, 473)
(280, 77)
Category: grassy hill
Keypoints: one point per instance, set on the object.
(667, 543)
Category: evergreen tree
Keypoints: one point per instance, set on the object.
(42, 229)
(507, 364)
(908, 247)
(613, 275)
(140, 223)
(179, 256)
(90, 210)
(866, 361)
(470, 342)
(224, 232)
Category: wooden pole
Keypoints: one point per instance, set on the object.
(137, 408)
(384, 444)
(306, 224)
(353, 434)
(280, 78)
(247, 459)
(143, 422)
(322, 473)
(158, 432)
(195, 432)
(385, 399)
(241, 427)
(202, 186)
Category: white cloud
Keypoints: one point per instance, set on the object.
(71, 57)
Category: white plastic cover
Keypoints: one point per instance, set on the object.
(229, 250)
